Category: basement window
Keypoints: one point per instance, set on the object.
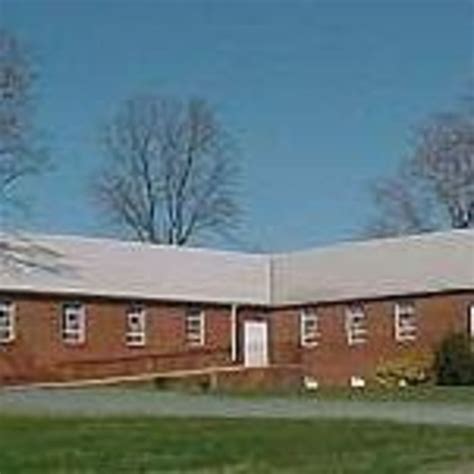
(471, 321)
(7, 322)
(73, 323)
(310, 382)
(357, 382)
(356, 325)
(309, 328)
(405, 322)
(136, 326)
(195, 327)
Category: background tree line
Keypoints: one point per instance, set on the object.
(170, 168)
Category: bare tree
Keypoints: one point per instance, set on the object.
(434, 187)
(170, 171)
(400, 207)
(20, 153)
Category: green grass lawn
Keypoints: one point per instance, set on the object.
(160, 445)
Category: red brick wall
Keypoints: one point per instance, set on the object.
(334, 361)
(285, 337)
(38, 353)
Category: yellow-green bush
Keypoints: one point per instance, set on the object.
(410, 368)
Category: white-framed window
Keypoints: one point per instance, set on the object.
(73, 323)
(195, 327)
(309, 328)
(136, 326)
(405, 321)
(356, 324)
(7, 322)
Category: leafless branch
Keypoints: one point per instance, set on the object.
(20, 253)
(170, 174)
(20, 154)
(434, 187)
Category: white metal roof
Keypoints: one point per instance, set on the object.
(425, 263)
(102, 267)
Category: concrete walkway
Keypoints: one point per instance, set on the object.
(134, 402)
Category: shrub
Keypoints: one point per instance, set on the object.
(454, 361)
(410, 368)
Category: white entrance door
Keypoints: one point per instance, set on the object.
(255, 344)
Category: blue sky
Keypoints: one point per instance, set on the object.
(321, 96)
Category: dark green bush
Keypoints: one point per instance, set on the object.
(454, 361)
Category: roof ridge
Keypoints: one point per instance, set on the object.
(150, 245)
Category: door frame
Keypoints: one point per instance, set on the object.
(470, 319)
(263, 323)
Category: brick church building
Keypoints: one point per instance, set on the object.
(74, 308)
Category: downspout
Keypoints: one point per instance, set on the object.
(233, 332)
(270, 281)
